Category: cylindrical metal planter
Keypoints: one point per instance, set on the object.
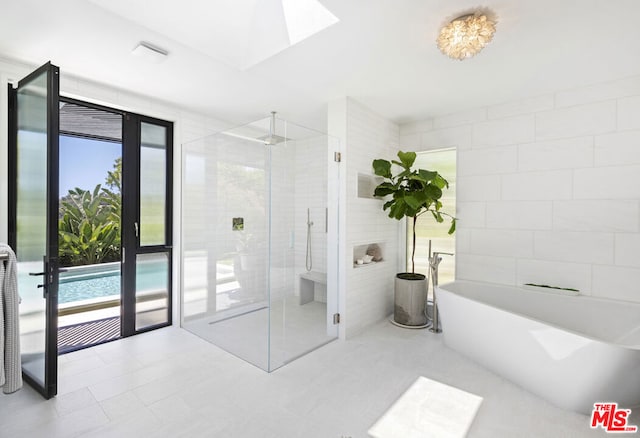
(410, 298)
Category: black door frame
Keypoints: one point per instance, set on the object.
(50, 259)
(89, 136)
(130, 214)
(130, 205)
(131, 218)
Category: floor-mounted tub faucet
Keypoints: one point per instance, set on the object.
(434, 262)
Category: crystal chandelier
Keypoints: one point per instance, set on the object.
(466, 35)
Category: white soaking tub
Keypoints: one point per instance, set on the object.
(573, 351)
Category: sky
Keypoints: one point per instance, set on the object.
(85, 163)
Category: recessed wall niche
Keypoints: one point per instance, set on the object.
(368, 254)
(367, 185)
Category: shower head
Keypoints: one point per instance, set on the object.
(256, 132)
(273, 139)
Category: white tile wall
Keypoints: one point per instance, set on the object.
(537, 186)
(600, 215)
(512, 130)
(519, 215)
(520, 107)
(410, 141)
(488, 161)
(627, 250)
(474, 213)
(556, 154)
(463, 239)
(629, 113)
(574, 246)
(310, 192)
(417, 127)
(569, 212)
(461, 118)
(594, 118)
(478, 188)
(618, 182)
(619, 148)
(486, 268)
(366, 136)
(597, 92)
(459, 137)
(502, 242)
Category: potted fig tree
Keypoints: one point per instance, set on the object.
(411, 193)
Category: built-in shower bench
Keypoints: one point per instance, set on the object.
(313, 287)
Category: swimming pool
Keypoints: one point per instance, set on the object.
(81, 283)
(87, 282)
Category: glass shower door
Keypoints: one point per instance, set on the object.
(303, 254)
(225, 245)
(249, 194)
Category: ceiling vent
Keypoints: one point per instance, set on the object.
(150, 52)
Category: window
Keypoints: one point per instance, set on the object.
(443, 161)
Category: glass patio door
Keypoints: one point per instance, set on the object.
(146, 239)
(33, 231)
(146, 224)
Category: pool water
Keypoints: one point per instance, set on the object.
(103, 280)
(84, 288)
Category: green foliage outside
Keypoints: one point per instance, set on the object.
(413, 192)
(89, 224)
(444, 161)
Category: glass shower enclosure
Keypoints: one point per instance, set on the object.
(259, 240)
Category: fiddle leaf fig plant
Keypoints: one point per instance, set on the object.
(413, 192)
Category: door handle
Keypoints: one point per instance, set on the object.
(43, 286)
(35, 274)
(43, 273)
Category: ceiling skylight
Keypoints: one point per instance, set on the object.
(279, 24)
(305, 18)
(239, 33)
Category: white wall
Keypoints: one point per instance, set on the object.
(548, 188)
(188, 126)
(310, 192)
(367, 291)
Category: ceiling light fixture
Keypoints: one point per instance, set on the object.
(466, 35)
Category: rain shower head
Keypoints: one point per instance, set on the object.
(253, 131)
(265, 139)
(273, 139)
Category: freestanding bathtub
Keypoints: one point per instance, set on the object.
(573, 351)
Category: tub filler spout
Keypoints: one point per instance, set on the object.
(434, 262)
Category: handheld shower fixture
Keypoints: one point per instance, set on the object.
(309, 258)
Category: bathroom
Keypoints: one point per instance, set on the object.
(548, 177)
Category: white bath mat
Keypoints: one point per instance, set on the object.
(428, 409)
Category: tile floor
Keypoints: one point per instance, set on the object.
(269, 337)
(170, 383)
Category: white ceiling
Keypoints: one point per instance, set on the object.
(381, 52)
